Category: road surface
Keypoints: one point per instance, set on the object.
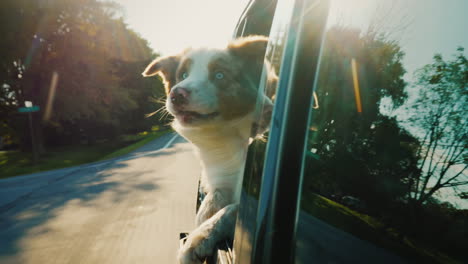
(126, 210)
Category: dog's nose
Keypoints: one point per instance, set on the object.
(179, 96)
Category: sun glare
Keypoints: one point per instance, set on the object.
(171, 26)
(346, 12)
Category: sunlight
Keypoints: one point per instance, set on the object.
(381, 15)
(356, 13)
(171, 26)
(51, 96)
(357, 93)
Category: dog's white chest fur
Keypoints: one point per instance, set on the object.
(222, 152)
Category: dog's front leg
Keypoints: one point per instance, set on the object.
(202, 241)
(212, 203)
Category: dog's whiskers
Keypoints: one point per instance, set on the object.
(163, 108)
(164, 115)
(161, 100)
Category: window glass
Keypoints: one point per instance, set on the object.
(246, 224)
(268, 85)
(385, 176)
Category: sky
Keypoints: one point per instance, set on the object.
(170, 26)
(422, 27)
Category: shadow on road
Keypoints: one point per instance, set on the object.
(87, 192)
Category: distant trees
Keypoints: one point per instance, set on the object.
(439, 117)
(363, 152)
(98, 61)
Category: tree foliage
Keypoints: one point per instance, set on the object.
(439, 117)
(363, 152)
(97, 58)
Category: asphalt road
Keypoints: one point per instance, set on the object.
(126, 210)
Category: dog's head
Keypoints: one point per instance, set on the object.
(209, 86)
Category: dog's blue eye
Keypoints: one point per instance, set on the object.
(184, 75)
(219, 75)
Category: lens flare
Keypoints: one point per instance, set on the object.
(357, 94)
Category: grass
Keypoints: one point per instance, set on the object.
(13, 163)
(369, 228)
(147, 137)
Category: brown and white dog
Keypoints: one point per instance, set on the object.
(213, 95)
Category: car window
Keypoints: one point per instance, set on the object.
(246, 224)
(385, 177)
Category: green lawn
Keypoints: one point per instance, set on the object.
(369, 228)
(13, 163)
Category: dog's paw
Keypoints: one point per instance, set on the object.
(214, 201)
(202, 241)
(195, 249)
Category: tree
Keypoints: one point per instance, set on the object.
(363, 152)
(88, 47)
(439, 117)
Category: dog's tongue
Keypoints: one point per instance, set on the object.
(188, 117)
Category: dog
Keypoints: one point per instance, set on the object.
(214, 98)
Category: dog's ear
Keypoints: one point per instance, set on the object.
(166, 67)
(251, 48)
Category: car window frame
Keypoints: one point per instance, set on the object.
(283, 168)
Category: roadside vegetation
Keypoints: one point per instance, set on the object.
(373, 230)
(140, 140)
(15, 162)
